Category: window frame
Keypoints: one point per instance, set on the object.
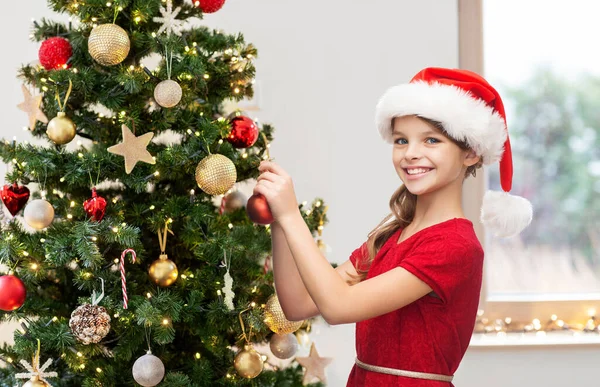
(571, 309)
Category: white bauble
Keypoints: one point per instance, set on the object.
(167, 93)
(148, 370)
(39, 214)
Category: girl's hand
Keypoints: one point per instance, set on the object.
(277, 187)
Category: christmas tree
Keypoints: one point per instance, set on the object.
(128, 254)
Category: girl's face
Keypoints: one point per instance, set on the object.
(425, 159)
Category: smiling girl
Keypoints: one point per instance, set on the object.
(413, 286)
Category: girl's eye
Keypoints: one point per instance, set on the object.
(431, 140)
(401, 141)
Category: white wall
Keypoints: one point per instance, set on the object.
(322, 66)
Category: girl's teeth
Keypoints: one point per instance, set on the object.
(416, 171)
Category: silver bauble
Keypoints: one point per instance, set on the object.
(39, 214)
(284, 346)
(167, 93)
(234, 201)
(148, 370)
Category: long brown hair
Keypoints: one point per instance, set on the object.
(403, 205)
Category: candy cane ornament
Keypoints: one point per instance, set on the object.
(122, 268)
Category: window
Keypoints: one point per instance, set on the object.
(540, 57)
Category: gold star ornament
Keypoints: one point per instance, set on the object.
(133, 148)
(314, 365)
(31, 106)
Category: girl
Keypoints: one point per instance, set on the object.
(413, 287)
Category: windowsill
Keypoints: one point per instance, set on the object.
(481, 340)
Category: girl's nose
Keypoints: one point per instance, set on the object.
(413, 152)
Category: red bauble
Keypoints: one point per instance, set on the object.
(14, 197)
(244, 132)
(95, 207)
(54, 53)
(209, 6)
(12, 293)
(258, 210)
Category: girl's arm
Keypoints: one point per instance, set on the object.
(294, 299)
(338, 302)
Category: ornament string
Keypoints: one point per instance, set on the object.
(97, 177)
(162, 239)
(168, 62)
(116, 13)
(35, 371)
(122, 269)
(243, 335)
(266, 145)
(148, 335)
(64, 105)
(97, 298)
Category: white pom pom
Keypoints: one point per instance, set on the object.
(504, 214)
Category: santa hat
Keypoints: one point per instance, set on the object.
(471, 111)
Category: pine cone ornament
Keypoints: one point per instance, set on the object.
(90, 323)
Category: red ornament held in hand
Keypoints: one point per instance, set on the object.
(95, 207)
(12, 293)
(244, 132)
(209, 6)
(14, 197)
(258, 210)
(54, 53)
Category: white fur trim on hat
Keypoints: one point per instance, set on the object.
(505, 214)
(464, 117)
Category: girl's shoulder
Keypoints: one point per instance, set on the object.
(454, 234)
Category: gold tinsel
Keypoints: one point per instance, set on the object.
(216, 174)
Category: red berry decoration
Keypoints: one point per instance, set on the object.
(244, 132)
(95, 207)
(209, 6)
(14, 197)
(258, 210)
(12, 293)
(54, 53)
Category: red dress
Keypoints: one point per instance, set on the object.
(431, 334)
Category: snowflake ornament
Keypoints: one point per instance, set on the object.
(170, 25)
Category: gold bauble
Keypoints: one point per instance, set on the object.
(248, 363)
(61, 129)
(36, 382)
(275, 319)
(108, 44)
(163, 271)
(216, 174)
(167, 93)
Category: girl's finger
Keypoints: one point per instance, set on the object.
(270, 176)
(271, 166)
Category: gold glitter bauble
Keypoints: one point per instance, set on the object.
(39, 214)
(90, 323)
(216, 174)
(108, 44)
(61, 129)
(248, 363)
(36, 382)
(163, 271)
(167, 93)
(275, 319)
